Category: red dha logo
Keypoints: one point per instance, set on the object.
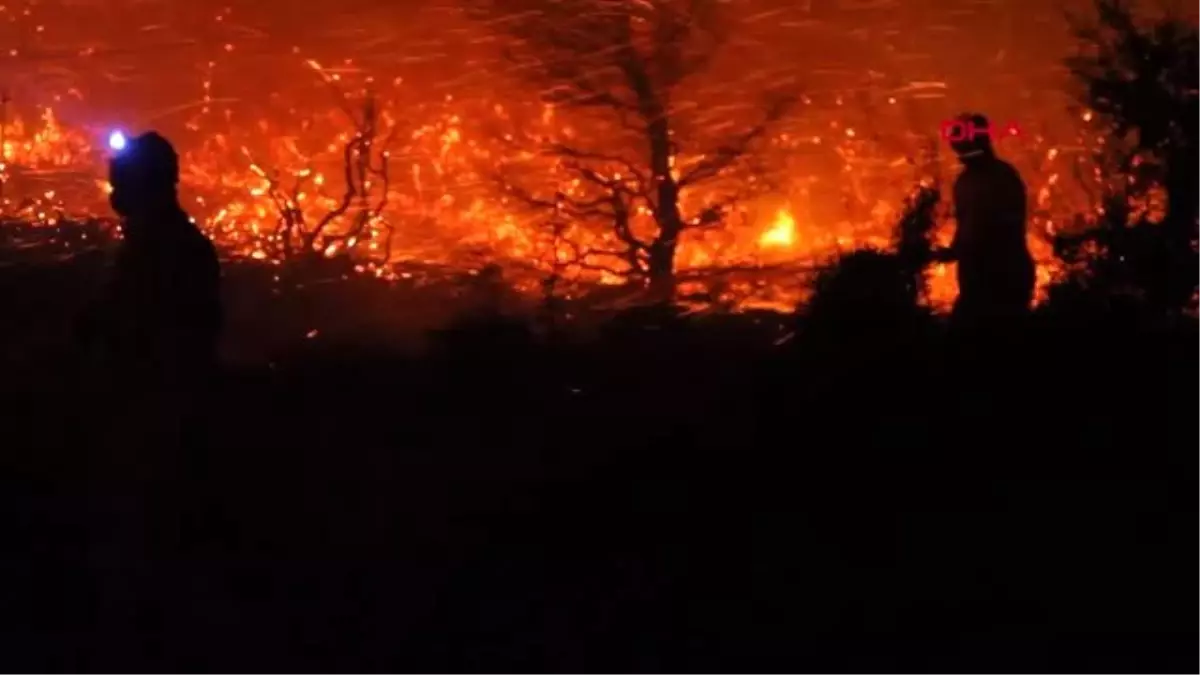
(965, 130)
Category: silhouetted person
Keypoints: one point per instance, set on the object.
(157, 329)
(162, 307)
(995, 270)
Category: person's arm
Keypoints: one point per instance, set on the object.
(1021, 204)
(963, 214)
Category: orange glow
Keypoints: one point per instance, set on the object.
(433, 215)
(257, 176)
(781, 233)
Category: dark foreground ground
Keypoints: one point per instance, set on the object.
(671, 495)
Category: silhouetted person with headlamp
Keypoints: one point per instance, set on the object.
(156, 331)
(995, 270)
(163, 302)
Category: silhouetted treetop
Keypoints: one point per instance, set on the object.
(1143, 78)
(612, 53)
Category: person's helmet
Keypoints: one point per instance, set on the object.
(977, 141)
(145, 169)
(147, 158)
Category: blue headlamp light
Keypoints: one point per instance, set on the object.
(117, 141)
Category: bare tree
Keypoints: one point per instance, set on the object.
(366, 180)
(620, 66)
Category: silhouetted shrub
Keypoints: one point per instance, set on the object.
(865, 292)
(860, 288)
(1142, 80)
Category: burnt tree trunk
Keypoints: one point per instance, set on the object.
(652, 107)
(666, 212)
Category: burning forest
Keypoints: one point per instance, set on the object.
(598, 335)
(693, 147)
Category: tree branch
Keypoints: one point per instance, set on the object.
(729, 153)
(584, 155)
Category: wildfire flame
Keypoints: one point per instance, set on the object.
(781, 233)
